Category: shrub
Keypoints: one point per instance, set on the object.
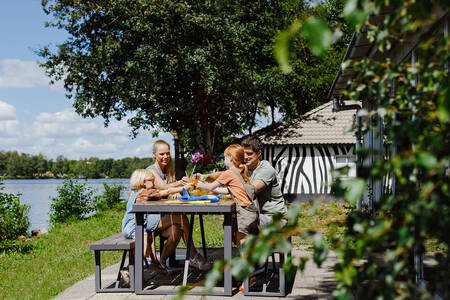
(13, 217)
(74, 201)
(110, 197)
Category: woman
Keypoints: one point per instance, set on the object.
(164, 174)
(231, 181)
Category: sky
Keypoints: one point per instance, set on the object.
(37, 118)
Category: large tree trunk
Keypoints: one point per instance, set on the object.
(180, 161)
(208, 126)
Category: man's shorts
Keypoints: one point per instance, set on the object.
(266, 219)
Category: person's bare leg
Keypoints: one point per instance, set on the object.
(147, 242)
(183, 222)
(149, 247)
(173, 235)
(240, 238)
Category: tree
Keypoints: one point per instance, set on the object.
(201, 70)
(379, 249)
(3, 158)
(14, 164)
(379, 252)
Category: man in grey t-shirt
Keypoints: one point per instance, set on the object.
(263, 176)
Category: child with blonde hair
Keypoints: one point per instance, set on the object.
(142, 189)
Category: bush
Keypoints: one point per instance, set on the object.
(13, 217)
(110, 197)
(74, 201)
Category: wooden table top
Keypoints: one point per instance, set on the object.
(161, 206)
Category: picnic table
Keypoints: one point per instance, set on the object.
(223, 207)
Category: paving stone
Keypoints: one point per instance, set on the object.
(313, 283)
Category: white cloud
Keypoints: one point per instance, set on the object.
(85, 148)
(64, 123)
(8, 143)
(7, 111)
(144, 150)
(9, 125)
(16, 73)
(66, 133)
(117, 128)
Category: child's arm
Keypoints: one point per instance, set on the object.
(214, 186)
(149, 194)
(158, 194)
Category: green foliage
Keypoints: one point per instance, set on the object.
(110, 198)
(378, 247)
(319, 35)
(74, 202)
(203, 70)
(13, 218)
(15, 165)
(59, 259)
(310, 76)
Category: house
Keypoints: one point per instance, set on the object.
(304, 151)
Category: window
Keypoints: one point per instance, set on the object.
(344, 161)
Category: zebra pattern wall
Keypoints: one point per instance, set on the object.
(305, 169)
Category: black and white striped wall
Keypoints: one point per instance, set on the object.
(304, 171)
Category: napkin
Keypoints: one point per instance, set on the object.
(187, 197)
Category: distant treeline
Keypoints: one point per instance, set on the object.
(16, 165)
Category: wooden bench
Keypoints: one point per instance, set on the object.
(281, 276)
(115, 242)
(118, 242)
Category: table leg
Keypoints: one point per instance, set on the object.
(188, 250)
(227, 229)
(202, 231)
(139, 255)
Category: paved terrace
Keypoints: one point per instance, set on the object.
(313, 283)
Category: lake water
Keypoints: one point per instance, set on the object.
(37, 193)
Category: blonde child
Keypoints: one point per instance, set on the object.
(142, 189)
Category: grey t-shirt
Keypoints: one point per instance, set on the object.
(270, 199)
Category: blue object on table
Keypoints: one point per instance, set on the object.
(187, 197)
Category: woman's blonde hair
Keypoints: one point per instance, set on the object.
(236, 152)
(170, 172)
(138, 177)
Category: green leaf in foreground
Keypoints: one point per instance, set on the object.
(426, 160)
(241, 268)
(289, 269)
(354, 189)
(215, 274)
(319, 35)
(282, 46)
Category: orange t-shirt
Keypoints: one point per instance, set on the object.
(233, 182)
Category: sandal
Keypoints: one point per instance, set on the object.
(125, 274)
(160, 268)
(251, 283)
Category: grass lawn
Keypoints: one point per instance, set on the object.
(45, 267)
(328, 220)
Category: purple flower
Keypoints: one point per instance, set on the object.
(197, 157)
